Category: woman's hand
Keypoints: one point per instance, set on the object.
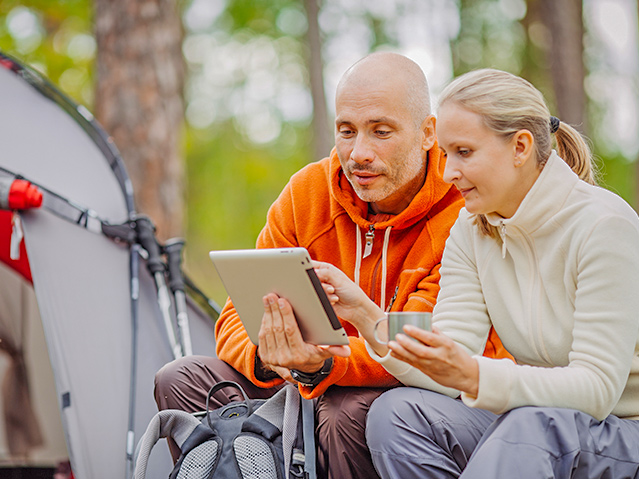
(348, 299)
(439, 357)
(351, 303)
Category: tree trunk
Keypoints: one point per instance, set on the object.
(140, 77)
(323, 139)
(564, 20)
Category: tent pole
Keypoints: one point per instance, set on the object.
(135, 295)
(173, 250)
(146, 238)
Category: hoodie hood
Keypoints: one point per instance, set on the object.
(431, 193)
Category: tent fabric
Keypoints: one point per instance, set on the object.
(82, 281)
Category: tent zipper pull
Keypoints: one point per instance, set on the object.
(16, 236)
(370, 236)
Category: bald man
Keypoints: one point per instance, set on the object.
(378, 209)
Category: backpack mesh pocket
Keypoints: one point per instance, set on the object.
(200, 462)
(254, 458)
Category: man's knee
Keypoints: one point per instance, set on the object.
(341, 411)
(171, 371)
(338, 413)
(183, 383)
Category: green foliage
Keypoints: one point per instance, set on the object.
(230, 188)
(620, 176)
(55, 38)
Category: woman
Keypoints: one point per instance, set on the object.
(552, 263)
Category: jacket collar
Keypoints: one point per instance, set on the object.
(545, 198)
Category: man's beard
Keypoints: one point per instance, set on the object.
(395, 179)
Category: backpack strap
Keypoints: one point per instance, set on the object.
(308, 426)
(169, 423)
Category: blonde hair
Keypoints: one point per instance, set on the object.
(507, 104)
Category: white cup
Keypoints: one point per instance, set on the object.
(394, 322)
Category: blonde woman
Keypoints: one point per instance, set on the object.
(548, 259)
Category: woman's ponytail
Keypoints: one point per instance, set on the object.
(574, 150)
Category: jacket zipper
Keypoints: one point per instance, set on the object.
(370, 236)
(502, 233)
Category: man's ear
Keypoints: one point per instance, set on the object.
(523, 142)
(428, 133)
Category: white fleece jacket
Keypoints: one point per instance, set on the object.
(561, 289)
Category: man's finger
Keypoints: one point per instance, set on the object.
(289, 324)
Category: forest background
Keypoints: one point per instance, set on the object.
(215, 103)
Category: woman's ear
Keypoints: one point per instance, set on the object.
(428, 133)
(523, 142)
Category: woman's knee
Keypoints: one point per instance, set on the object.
(555, 429)
(393, 415)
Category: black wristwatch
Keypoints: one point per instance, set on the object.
(313, 379)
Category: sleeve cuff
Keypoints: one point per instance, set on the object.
(495, 384)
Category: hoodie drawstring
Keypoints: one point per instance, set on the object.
(384, 266)
(358, 255)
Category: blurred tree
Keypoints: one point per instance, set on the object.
(564, 23)
(140, 76)
(322, 138)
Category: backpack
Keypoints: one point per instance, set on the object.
(248, 439)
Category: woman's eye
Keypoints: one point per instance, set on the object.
(463, 152)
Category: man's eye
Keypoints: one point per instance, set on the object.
(382, 132)
(346, 132)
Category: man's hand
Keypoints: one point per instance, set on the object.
(281, 344)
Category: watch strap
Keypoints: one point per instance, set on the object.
(313, 379)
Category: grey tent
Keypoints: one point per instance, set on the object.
(84, 357)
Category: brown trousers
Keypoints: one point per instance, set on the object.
(340, 413)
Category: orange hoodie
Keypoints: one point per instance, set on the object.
(319, 210)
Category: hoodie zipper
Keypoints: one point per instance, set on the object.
(370, 237)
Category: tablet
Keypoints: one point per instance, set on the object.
(249, 275)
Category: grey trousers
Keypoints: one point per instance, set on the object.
(418, 433)
(340, 413)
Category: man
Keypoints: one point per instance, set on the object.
(378, 209)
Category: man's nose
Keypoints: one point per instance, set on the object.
(362, 151)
